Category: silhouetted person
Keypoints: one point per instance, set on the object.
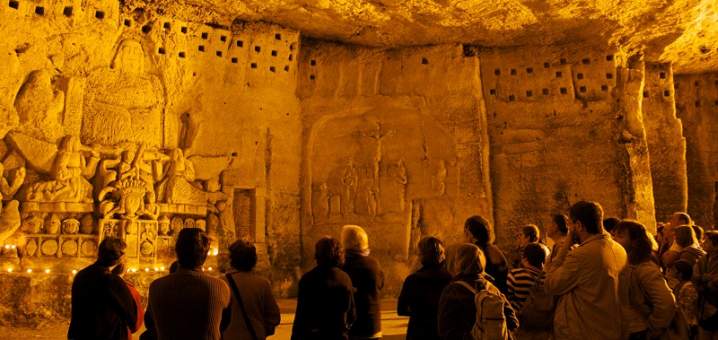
(609, 224)
(252, 300)
(478, 231)
(647, 303)
(586, 279)
(528, 234)
(188, 304)
(367, 278)
(420, 293)
(457, 308)
(557, 233)
(325, 301)
(705, 279)
(102, 304)
(150, 330)
(668, 249)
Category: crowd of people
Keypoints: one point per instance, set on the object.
(592, 278)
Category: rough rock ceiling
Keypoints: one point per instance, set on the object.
(684, 32)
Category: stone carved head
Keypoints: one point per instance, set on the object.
(130, 58)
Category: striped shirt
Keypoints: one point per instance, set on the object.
(520, 281)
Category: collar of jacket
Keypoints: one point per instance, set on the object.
(601, 236)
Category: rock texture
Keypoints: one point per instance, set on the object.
(684, 32)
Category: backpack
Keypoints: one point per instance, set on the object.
(538, 310)
(490, 321)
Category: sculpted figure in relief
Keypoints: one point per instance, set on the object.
(9, 213)
(74, 164)
(350, 181)
(178, 185)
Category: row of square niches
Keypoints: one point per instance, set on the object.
(66, 11)
(220, 54)
(562, 61)
(558, 74)
(547, 92)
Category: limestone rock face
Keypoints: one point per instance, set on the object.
(679, 31)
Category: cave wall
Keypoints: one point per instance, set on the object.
(395, 141)
(221, 100)
(696, 106)
(565, 124)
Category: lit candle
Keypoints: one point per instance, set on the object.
(162, 268)
(29, 270)
(47, 270)
(147, 270)
(9, 270)
(210, 268)
(74, 271)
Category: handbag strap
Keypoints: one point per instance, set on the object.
(237, 296)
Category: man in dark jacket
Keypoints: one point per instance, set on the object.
(102, 305)
(367, 278)
(325, 304)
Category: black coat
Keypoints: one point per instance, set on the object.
(419, 300)
(325, 305)
(367, 278)
(102, 306)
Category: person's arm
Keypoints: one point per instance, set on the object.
(405, 296)
(563, 277)
(660, 297)
(227, 307)
(512, 320)
(150, 332)
(298, 327)
(272, 316)
(121, 299)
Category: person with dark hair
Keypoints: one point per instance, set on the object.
(668, 249)
(188, 304)
(255, 313)
(478, 231)
(522, 279)
(647, 303)
(419, 297)
(103, 305)
(705, 279)
(325, 300)
(557, 233)
(457, 305)
(528, 234)
(686, 297)
(609, 224)
(585, 279)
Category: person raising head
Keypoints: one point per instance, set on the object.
(478, 232)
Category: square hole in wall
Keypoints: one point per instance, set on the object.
(257, 49)
(424, 61)
(609, 57)
(286, 68)
(513, 71)
(529, 70)
(529, 93)
(167, 25)
(715, 103)
(492, 92)
(67, 11)
(604, 88)
(497, 72)
(698, 103)
(272, 69)
(313, 62)
(562, 61)
(662, 75)
(274, 53)
(277, 36)
(609, 75)
(183, 29)
(582, 89)
(291, 46)
(161, 50)
(218, 53)
(585, 61)
(39, 10)
(14, 4)
(127, 22)
(146, 29)
(291, 57)
(512, 98)
(546, 65)
(545, 92)
(559, 74)
(200, 48)
(222, 38)
(205, 35)
(253, 65)
(182, 55)
(240, 43)
(563, 90)
(645, 94)
(312, 77)
(99, 15)
(234, 60)
(579, 75)
(666, 93)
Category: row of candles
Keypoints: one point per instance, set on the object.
(132, 270)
